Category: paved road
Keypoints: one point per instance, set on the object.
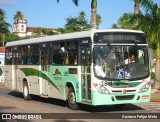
(12, 102)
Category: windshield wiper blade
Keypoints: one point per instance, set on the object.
(109, 45)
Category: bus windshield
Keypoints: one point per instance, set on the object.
(121, 62)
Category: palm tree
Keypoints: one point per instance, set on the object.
(18, 16)
(2, 15)
(136, 6)
(94, 14)
(125, 21)
(98, 20)
(74, 1)
(93, 11)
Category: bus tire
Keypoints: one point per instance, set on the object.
(72, 99)
(26, 94)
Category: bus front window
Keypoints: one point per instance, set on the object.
(121, 62)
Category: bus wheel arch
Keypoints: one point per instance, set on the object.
(71, 97)
(26, 94)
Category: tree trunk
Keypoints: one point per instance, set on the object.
(157, 68)
(93, 21)
(136, 8)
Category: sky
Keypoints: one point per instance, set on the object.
(50, 14)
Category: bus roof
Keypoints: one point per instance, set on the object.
(75, 35)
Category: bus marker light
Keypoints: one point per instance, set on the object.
(95, 84)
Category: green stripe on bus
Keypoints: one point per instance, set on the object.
(34, 72)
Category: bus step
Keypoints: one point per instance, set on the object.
(44, 96)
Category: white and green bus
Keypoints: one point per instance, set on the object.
(90, 67)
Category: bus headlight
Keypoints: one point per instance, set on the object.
(101, 88)
(145, 87)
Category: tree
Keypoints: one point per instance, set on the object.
(93, 11)
(18, 16)
(4, 27)
(75, 24)
(98, 20)
(114, 26)
(94, 14)
(126, 22)
(74, 1)
(136, 6)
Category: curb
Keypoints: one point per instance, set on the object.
(2, 84)
(155, 100)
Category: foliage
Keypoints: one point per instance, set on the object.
(4, 27)
(74, 1)
(78, 23)
(18, 16)
(94, 12)
(98, 20)
(75, 24)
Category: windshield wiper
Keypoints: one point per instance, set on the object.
(109, 45)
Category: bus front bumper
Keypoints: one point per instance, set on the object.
(111, 99)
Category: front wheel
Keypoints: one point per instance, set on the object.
(26, 94)
(72, 99)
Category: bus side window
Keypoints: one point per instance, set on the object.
(72, 57)
(59, 53)
(8, 57)
(34, 54)
(24, 52)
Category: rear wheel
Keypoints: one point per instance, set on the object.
(72, 99)
(26, 94)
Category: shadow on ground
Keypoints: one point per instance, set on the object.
(86, 108)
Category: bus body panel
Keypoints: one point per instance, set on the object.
(8, 76)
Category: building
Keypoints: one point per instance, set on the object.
(20, 29)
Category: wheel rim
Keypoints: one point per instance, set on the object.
(25, 91)
(72, 99)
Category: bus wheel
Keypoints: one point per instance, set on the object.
(26, 94)
(72, 99)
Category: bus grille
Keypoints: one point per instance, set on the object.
(120, 91)
(125, 85)
(126, 97)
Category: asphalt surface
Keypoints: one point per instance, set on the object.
(12, 101)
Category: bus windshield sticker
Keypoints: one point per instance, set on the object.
(127, 74)
(120, 74)
(100, 71)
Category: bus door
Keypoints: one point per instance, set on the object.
(44, 56)
(15, 69)
(85, 58)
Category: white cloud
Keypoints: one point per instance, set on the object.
(8, 2)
